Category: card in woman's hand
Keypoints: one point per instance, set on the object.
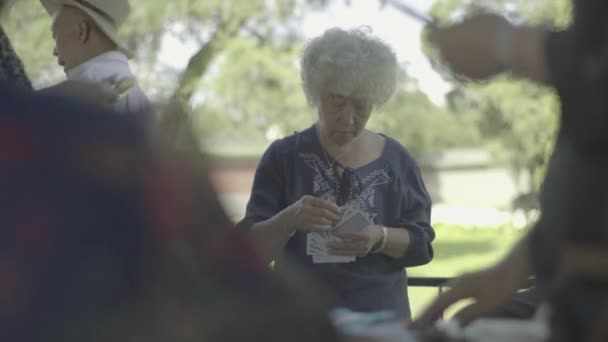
(355, 222)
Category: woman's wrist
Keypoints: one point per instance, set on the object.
(381, 239)
(285, 221)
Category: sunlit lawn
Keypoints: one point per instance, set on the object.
(459, 250)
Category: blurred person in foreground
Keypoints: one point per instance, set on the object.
(88, 48)
(12, 72)
(107, 235)
(568, 248)
(302, 179)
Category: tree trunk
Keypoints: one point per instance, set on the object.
(197, 66)
(176, 120)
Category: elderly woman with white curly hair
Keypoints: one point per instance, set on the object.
(302, 180)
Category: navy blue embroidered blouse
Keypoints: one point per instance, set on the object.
(390, 189)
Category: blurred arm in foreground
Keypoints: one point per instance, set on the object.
(488, 44)
(573, 197)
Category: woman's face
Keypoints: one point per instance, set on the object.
(342, 118)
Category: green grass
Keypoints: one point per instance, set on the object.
(459, 250)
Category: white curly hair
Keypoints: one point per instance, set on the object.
(349, 62)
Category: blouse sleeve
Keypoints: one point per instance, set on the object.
(267, 194)
(416, 218)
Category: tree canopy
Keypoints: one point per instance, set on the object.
(242, 76)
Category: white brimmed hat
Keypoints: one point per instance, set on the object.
(109, 15)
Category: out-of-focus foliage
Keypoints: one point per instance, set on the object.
(29, 28)
(421, 125)
(257, 93)
(242, 78)
(242, 75)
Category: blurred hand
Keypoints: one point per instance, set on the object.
(311, 214)
(469, 48)
(101, 94)
(356, 244)
(488, 288)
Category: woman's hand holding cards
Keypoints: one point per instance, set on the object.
(312, 214)
(356, 243)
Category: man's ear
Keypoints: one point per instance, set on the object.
(84, 31)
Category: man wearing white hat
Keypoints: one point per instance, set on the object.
(87, 47)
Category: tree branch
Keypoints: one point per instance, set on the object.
(199, 63)
(197, 66)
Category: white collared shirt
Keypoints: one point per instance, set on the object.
(112, 67)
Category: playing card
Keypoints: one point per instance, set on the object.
(343, 211)
(317, 247)
(311, 245)
(314, 243)
(355, 223)
(351, 220)
(320, 259)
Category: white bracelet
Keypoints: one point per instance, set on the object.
(384, 240)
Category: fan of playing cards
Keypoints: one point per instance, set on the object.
(351, 220)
